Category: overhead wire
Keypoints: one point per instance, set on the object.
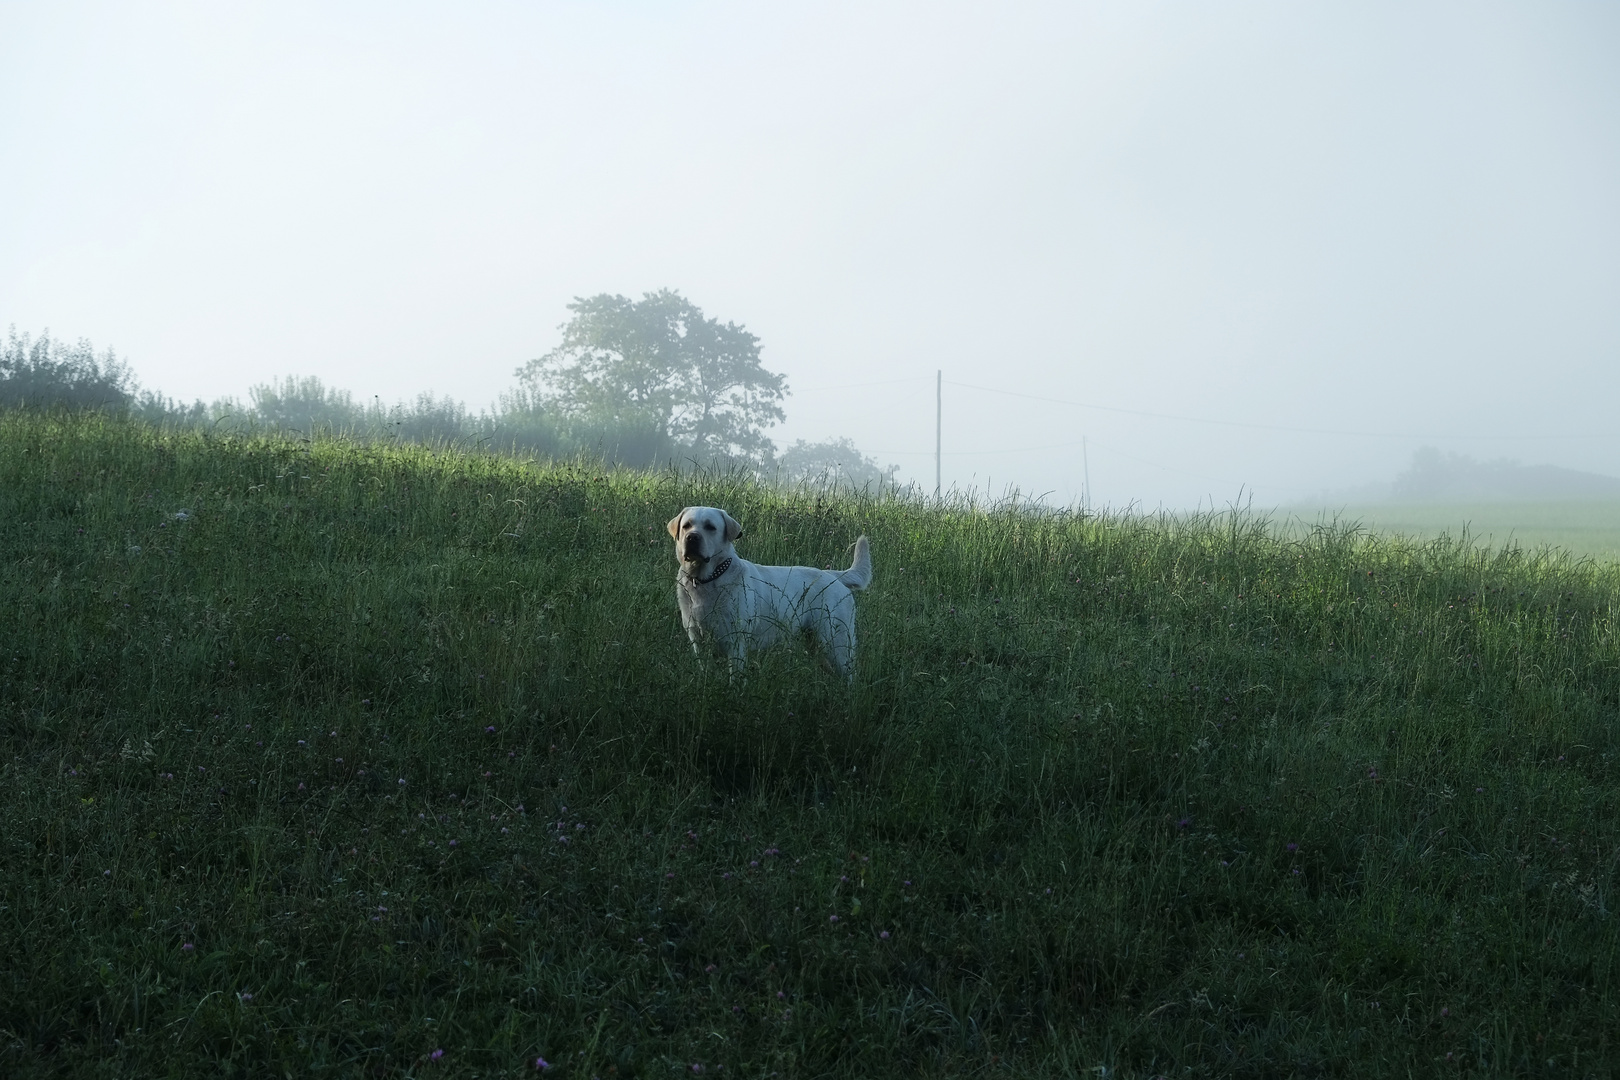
(856, 385)
(1268, 427)
(1181, 418)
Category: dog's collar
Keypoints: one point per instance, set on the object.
(705, 580)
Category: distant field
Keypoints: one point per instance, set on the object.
(1581, 528)
(328, 760)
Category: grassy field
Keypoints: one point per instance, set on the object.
(328, 760)
(1588, 527)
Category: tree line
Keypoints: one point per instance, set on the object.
(644, 383)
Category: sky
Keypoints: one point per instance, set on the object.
(1198, 253)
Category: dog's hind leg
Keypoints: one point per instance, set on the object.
(836, 647)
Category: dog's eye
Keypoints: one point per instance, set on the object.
(709, 525)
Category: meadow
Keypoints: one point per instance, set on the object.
(324, 759)
(1578, 526)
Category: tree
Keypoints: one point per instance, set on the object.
(48, 372)
(1437, 477)
(660, 367)
(305, 404)
(835, 462)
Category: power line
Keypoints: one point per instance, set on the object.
(1067, 445)
(855, 385)
(1250, 425)
(1270, 427)
(973, 453)
(1185, 472)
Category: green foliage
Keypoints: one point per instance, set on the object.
(305, 404)
(321, 757)
(51, 373)
(634, 383)
(309, 406)
(833, 462)
(1435, 477)
(657, 369)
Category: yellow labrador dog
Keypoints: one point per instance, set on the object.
(734, 605)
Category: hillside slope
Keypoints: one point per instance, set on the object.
(325, 758)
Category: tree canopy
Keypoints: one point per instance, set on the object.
(836, 462)
(634, 382)
(659, 365)
(51, 372)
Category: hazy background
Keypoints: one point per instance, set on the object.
(1393, 219)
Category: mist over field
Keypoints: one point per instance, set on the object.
(1221, 397)
(1195, 254)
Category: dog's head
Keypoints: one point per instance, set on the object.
(702, 533)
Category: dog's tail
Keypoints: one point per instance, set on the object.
(859, 574)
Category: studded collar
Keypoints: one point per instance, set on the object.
(714, 576)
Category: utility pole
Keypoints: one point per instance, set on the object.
(939, 417)
(1085, 460)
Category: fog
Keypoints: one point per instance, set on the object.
(1307, 239)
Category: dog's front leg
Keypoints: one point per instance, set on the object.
(736, 649)
(694, 635)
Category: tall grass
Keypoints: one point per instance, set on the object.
(323, 758)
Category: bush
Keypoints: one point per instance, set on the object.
(49, 372)
(835, 463)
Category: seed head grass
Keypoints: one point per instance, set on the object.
(334, 759)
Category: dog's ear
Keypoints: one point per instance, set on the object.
(674, 525)
(733, 530)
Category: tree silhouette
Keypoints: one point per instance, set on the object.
(659, 365)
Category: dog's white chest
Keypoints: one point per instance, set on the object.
(705, 611)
